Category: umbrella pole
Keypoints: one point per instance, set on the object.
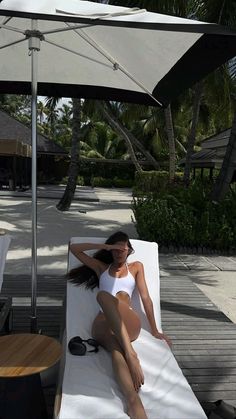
(34, 47)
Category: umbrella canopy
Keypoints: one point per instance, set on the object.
(101, 51)
(78, 48)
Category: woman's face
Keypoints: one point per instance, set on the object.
(120, 255)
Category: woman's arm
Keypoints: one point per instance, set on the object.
(79, 249)
(147, 303)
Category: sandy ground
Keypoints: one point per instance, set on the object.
(101, 219)
(220, 288)
(55, 228)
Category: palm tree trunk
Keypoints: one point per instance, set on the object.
(65, 201)
(181, 146)
(192, 133)
(228, 166)
(117, 126)
(140, 147)
(171, 141)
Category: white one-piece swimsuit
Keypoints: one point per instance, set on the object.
(114, 285)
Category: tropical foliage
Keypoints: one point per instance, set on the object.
(180, 217)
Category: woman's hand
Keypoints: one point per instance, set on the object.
(162, 336)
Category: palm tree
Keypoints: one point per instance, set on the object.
(192, 132)
(17, 106)
(41, 112)
(171, 141)
(100, 141)
(63, 126)
(113, 114)
(117, 126)
(65, 201)
(52, 105)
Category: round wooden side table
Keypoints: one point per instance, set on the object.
(22, 357)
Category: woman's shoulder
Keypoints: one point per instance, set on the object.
(136, 265)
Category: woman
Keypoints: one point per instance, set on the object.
(117, 324)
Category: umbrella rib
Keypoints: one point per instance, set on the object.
(11, 28)
(76, 53)
(12, 43)
(7, 19)
(116, 65)
(70, 28)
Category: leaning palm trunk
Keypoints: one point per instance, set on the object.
(192, 133)
(228, 167)
(140, 147)
(117, 126)
(171, 141)
(65, 201)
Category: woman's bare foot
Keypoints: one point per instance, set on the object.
(135, 369)
(135, 408)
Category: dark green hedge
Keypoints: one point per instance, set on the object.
(115, 182)
(154, 182)
(187, 217)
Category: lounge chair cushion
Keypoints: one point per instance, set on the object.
(89, 387)
(4, 245)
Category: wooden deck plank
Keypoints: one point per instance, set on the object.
(199, 372)
(204, 339)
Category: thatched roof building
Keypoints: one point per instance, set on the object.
(15, 153)
(212, 153)
(15, 131)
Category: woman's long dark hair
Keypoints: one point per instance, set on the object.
(83, 275)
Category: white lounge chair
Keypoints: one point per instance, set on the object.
(5, 301)
(4, 245)
(88, 389)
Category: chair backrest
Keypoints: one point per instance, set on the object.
(4, 245)
(145, 252)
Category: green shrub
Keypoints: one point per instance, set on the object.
(80, 180)
(155, 182)
(122, 183)
(152, 181)
(187, 217)
(157, 221)
(108, 183)
(101, 182)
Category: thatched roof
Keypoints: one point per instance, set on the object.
(217, 140)
(212, 153)
(11, 129)
(204, 158)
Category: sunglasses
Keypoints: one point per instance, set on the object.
(77, 347)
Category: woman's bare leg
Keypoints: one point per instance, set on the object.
(103, 334)
(115, 312)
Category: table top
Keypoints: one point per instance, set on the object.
(26, 354)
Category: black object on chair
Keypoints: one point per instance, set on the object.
(77, 347)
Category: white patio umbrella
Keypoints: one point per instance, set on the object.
(77, 48)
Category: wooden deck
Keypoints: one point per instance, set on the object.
(204, 339)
